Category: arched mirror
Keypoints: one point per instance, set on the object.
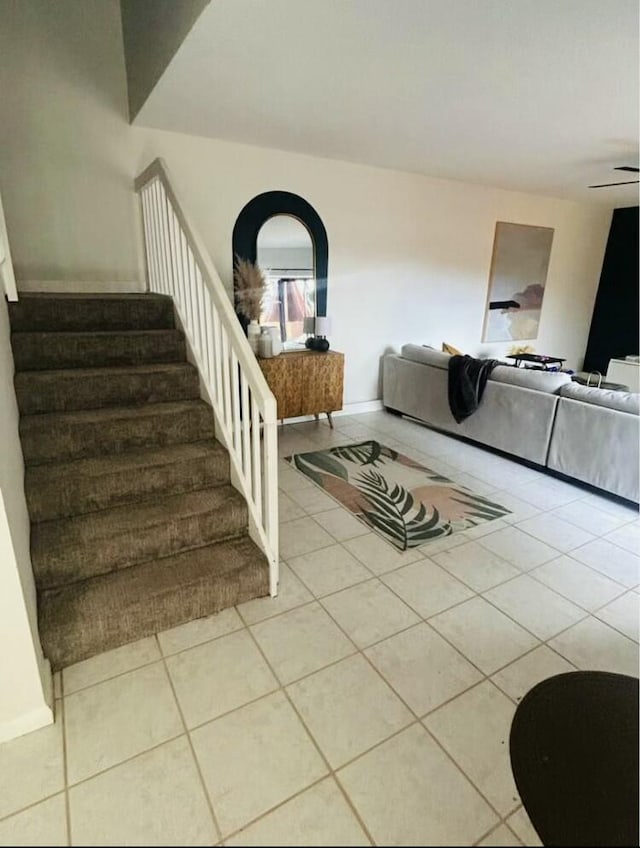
(285, 236)
(285, 254)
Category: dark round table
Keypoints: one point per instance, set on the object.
(574, 756)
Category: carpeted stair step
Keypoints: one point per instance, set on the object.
(84, 312)
(61, 490)
(72, 389)
(63, 436)
(68, 550)
(86, 618)
(52, 351)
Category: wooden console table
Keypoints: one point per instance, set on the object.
(305, 382)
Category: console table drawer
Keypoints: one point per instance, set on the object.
(305, 382)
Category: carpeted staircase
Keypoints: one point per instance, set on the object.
(134, 524)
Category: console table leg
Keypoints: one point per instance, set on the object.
(330, 420)
(317, 416)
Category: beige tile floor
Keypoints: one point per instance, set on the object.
(370, 703)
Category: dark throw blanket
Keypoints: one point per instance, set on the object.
(467, 379)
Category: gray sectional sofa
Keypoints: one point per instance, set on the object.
(591, 435)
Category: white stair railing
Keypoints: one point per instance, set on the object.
(6, 264)
(178, 265)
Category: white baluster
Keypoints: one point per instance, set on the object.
(226, 383)
(217, 355)
(147, 241)
(255, 454)
(235, 397)
(246, 431)
(157, 213)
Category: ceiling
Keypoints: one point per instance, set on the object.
(532, 95)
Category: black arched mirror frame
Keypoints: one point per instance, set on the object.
(265, 206)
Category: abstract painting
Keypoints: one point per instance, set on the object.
(516, 282)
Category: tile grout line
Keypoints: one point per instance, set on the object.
(459, 603)
(485, 675)
(65, 766)
(417, 720)
(196, 762)
(324, 758)
(116, 675)
(232, 834)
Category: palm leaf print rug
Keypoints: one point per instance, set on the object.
(402, 500)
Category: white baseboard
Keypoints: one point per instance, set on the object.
(34, 720)
(81, 287)
(362, 406)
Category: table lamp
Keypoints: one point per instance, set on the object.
(321, 327)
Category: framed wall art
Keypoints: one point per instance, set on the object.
(517, 280)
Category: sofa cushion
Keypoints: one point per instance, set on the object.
(528, 378)
(621, 401)
(425, 355)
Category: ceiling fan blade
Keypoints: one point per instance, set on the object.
(631, 168)
(608, 185)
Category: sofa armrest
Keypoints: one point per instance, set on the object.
(597, 445)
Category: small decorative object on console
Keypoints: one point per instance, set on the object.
(253, 335)
(250, 287)
(265, 344)
(319, 342)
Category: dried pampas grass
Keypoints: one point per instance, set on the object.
(250, 287)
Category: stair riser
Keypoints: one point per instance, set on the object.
(39, 391)
(101, 629)
(42, 443)
(78, 496)
(82, 559)
(77, 315)
(52, 351)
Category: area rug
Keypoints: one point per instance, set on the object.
(574, 756)
(405, 502)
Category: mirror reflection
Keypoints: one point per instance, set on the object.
(286, 256)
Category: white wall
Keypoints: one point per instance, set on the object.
(25, 676)
(65, 144)
(409, 256)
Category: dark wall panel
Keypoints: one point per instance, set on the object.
(614, 326)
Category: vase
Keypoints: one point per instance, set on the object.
(265, 344)
(276, 341)
(253, 334)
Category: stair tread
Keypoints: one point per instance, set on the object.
(47, 419)
(107, 522)
(106, 371)
(78, 621)
(56, 312)
(135, 460)
(81, 486)
(68, 550)
(91, 334)
(94, 296)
